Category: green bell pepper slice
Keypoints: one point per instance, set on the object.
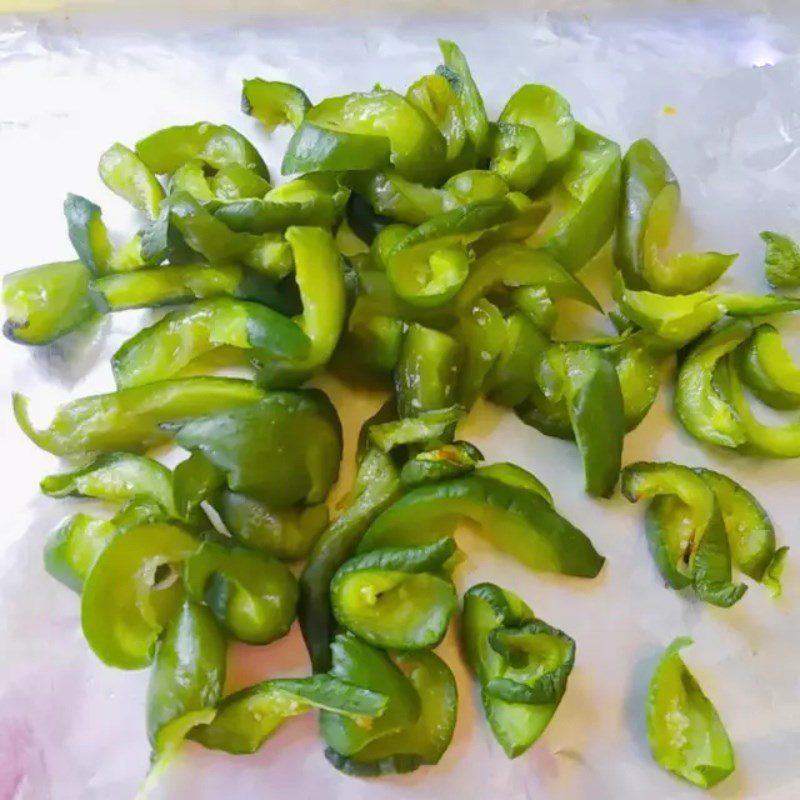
(648, 205)
(162, 350)
(88, 233)
(384, 242)
(195, 480)
(513, 475)
(132, 419)
(686, 735)
(252, 595)
(456, 70)
(376, 486)
(124, 172)
(287, 534)
(46, 302)
(521, 663)
(768, 370)
(164, 151)
(475, 186)
(703, 410)
(191, 178)
(434, 96)
(427, 427)
(247, 718)
(549, 417)
(548, 113)
(482, 333)
(427, 371)
(517, 155)
(299, 430)
(235, 182)
(274, 103)
(685, 530)
(638, 370)
(366, 131)
(781, 261)
(320, 280)
(126, 603)
(187, 678)
(117, 477)
(152, 288)
(516, 520)
(588, 192)
(399, 199)
(596, 412)
(397, 597)
(750, 532)
(421, 742)
(441, 463)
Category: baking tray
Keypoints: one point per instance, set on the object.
(715, 85)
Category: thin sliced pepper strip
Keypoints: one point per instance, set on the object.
(441, 463)
(320, 279)
(638, 368)
(768, 370)
(703, 410)
(117, 477)
(514, 475)
(397, 597)
(124, 607)
(300, 430)
(88, 233)
(515, 520)
(252, 595)
(235, 182)
(648, 205)
(274, 103)
(46, 302)
(685, 530)
(422, 742)
(376, 486)
(162, 350)
(128, 176)
(517, 155)
(132, 419)
(247, 718)
(684, 730)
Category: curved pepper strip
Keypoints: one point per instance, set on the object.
(590, 190)
(308, 200)
(376, 486)
(517, 155)
(648, 205)
(638, 368)
(549, 417)
(132, 419)
(162, 350)
(768, 370)
(117, 477)
(384, 242)
(703, 410)
(153, 288)
(521, 663)
(397, 597)
(750, 532)
(128, 176)
(287, 534)
(186, 681)
(274, 103)
(320, 279)
(46, 302)
(528, 217)
(475, 186)
(424, 428)
(247, 718)
(393, 196)
(252, 595)
(685, 530)
(125, 604)
(420, 715)
(516, 520)
(441, 463)
(191, 178)
(234, 182)
(427, 371)
(164, 151)
(513, 475)
(195, 479)
(482, 333)
(366, 131)
(548, 113)
(300, 430)
(684, 730)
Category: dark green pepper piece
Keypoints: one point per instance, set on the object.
(549, 417)
(514, 475)
(298, 430)
(252, 595)
(441, 463)
(377, 485)
(129, 177)
(517, 155)
(195, 480)
(46, 302)
(482, 333)
(517, 521)
(132, 419)
(274, 103)
(768, 370)
(685, 733)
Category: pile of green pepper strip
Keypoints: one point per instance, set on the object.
(421, 247)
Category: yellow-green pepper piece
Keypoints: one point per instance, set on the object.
(235, 182)
(124, 172)
(517, 155)
(402, 200)
(768, 370)
(274, 103)
(781, 261)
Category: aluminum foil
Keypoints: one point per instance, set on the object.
(714, 85)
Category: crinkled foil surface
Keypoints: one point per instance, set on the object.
(716, 86)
